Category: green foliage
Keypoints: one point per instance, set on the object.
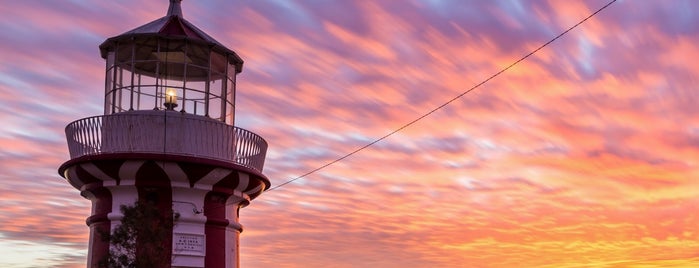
(142, 239)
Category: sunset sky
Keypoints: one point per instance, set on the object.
(584, 155)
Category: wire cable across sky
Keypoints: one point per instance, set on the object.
(445, 103)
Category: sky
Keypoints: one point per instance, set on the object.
(586, 154)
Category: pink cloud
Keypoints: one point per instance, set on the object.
(544, 166)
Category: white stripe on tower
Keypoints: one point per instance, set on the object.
(243, 181)
(214, 176)
(189, 204)
(128, 170)
(177, 176)
(93, 170)
(72, 177)
(256, 189)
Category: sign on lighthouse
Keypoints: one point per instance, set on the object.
(167, 137)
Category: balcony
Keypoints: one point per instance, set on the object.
(168, 133)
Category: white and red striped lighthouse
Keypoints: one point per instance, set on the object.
(168, 135)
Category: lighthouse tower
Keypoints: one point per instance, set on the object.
(167, 136)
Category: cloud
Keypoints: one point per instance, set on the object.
(581, 155)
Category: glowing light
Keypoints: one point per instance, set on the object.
(170, 98)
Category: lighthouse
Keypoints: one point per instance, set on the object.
(167, 137)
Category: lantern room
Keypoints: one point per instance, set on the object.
(170, 64)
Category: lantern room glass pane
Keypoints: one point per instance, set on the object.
(198, 56)
(110, 59)
(124, 99)
(215, 92)
(172, 57)
(145, 92)
(124, 52)
(196, 91)
(215, 104)
(194, 103)
(123, 88)
(230, 96)
(109, 76)
(218, 64)
(145, 60)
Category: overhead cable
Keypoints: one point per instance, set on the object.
(445, 103)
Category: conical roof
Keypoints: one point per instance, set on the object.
(173, 26)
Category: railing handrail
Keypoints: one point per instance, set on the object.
(151, 132)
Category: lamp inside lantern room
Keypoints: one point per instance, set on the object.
(170, 98)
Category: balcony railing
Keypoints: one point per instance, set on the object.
(165, 132)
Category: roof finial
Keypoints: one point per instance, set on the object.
(175, 8)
